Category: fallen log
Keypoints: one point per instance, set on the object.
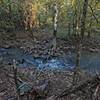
(94, 81)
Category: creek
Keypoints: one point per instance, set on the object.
(89, 61)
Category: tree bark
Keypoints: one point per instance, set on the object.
(89, 31)
(76, 76)
(79, 40)
(16, 80)
(55, 26)
(69, 29)
(83, 19)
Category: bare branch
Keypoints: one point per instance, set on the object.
(93, 14)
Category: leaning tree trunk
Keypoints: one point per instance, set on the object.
(55, 26)
(83, 19)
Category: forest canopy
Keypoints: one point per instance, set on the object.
(30, 14)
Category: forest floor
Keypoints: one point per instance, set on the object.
(40, 46)
(58, 82)
(41, 42)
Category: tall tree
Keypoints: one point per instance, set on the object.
(79, 40)
(55, 25)
(83, 18)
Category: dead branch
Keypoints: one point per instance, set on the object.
(96, 92)
(91, 83)
(93, 14)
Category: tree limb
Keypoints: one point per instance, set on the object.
(93, 14)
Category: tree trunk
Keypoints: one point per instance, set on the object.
(78, 55)
(76, 75)
(89, 32)
(9, 6)
(55, 26)
(16, 80)
(74, 22)
(83, 19)
(10, 9)
(79, 43)
(69, 30)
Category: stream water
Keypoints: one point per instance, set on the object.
(89, 61)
